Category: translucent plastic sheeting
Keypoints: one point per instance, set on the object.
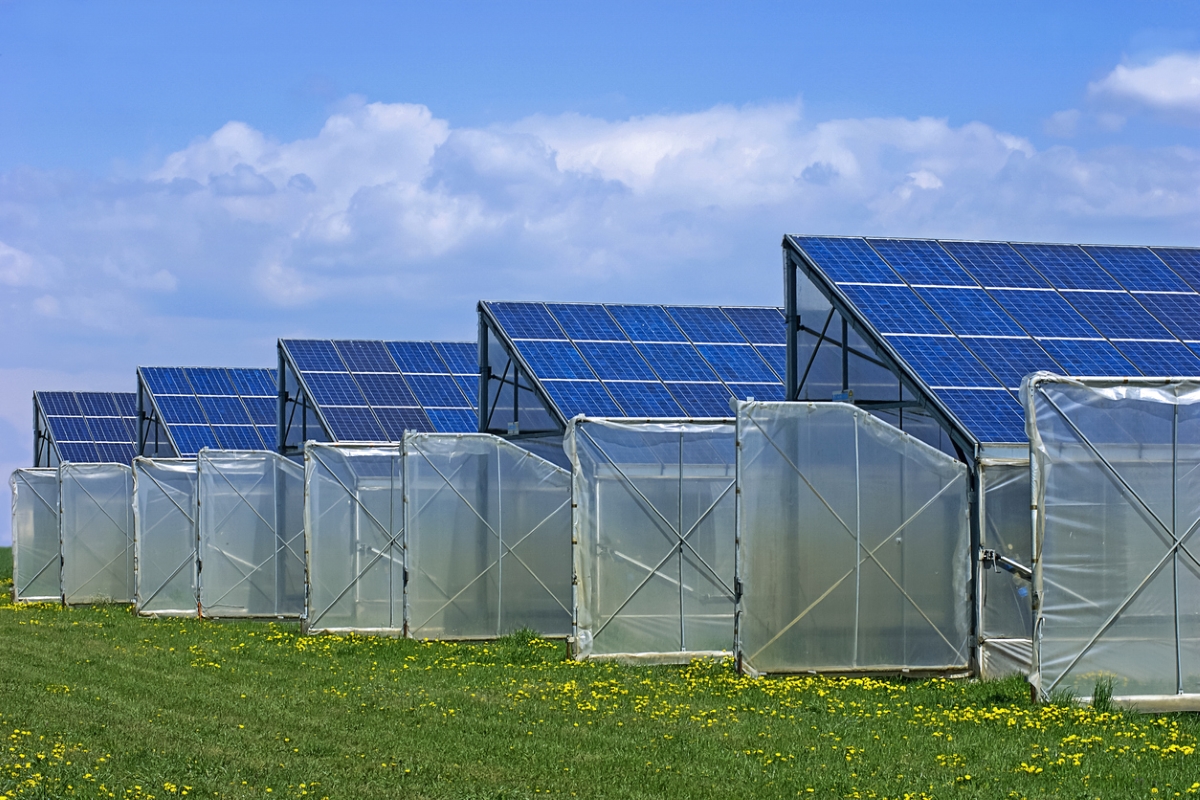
(488, 538)
(251, 534)
(36, 560)
(654, 538)
(1005, 618)
(854, 544)
(353, 521)
(95, 532)
(1116, 481)
(164, 523)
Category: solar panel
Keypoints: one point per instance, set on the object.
(1076, 310)
(90, 427)
(367, 390)
(646, 361)
(218, 407)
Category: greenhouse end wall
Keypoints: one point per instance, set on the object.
(1116, 478)
(35, 549)
(488, 538)
(653, 524)
(251, 534)
(854, 544)
(1005, 596)
(164, 524)
(96, 532)
(353, 523)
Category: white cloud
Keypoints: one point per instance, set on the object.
(1171, 83)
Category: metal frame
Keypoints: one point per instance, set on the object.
(20, 582)
(293, 401)
(1034, 385)
(150, 426)
(189, 511)
(487, 376)
(45, 451)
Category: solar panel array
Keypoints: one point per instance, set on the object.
(232, 409)
(973, 318)
(635, 361)
(91, 427)
(371, 391)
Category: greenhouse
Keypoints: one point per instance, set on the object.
(250, 535)
(181, 410)
(96, 533)
(1116, 481)
(83, 427)
(36, 560)
(853, 544)
(934, 337)
(653, 527)
(374, 391)
(164, 522)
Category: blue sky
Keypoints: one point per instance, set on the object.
(184, 183)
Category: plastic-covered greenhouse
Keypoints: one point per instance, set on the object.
(853, 544)
(480, 528)
(96, 532)
(36, 559)
(653, 524)
(164, 513)
(1116, 481)
(251, 534)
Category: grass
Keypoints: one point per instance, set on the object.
(95, 702)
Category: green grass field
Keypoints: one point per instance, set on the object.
(95, 702)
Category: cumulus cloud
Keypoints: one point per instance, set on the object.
(1170, 83)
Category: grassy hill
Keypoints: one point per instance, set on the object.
(95, 702)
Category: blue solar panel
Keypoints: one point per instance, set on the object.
(126, 403)
(894, 309)
(469, 384)
(1044, 313)
(581, 397)
(107, 429)
(69, 429)
(705, 324)
(1180, 313)
(1183, 262)
(586, 321)
(736, 362)
(677, 362)
(1117, 315)
(396, 421)
(1066, 266)
(416, 357)
(1137, 269)
(315, 355)
(1011, 359)
(354, 425)
(166, 380)
(615, 361)
(461, 357)
(526, 320)
(190, 439)
(436, 391)
(209, 381)
(760, 326)
(89, 426)
(647, 323)
(645, 399)
(759, 391)
(385, 389)
(996, 264)
(1094, 357)
(702, 399)
(993, 416)
(922, 262)
(942, 361)
(263, 410)
(225, 411)
(970, 311)
(98, 404)
(365, 356)
(270, 435)
(776, 357)
(78, 452)
(60, 403)
(254, 382)
(1161, 358)
(115, 453)
(847, 260)
(181, 410)
(333, 389)
(554, 359)
(238, 437)
(453, 420)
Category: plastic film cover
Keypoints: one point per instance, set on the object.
(96, 532)
(1006, 616)
(164, 524)
(36, 560)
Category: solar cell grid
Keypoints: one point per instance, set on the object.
(676, 362)
(78, 452)
(894, 309)
(180, 410)
(452, 420)
(166, 380)
(436, 391)
(702, 399)
(385, 389)
(1137, 269)
(554, 359)
(415, 357)
(238, 437)
(254, 382)
(526, 321)
(209, 381)
(1184, 262)
(1161, 358)
(396, 421)
(994, 416)
(1179, 313)
(759, 391)
(315, 355)
(97, 404)
(616, 361)
(263, 410)
(776, 358)
(461, 357)
(353, 424)
(1094, 357)
(705, 324)
(365, 356)
(1066, 266)
(333, 389)
(1117, 315)
(645, 399)
(761, 326)
(646, 323)
(970, 312)
(1012, 359)
(921, 262)
(847, 260)
(224, 410)
(586, 321)
(106, 429)
(60, 403)
(996, 264)
(942, 361)
(1044, 313)
(191, 439)
(69, 429)
(582, 397)
(736, 362)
